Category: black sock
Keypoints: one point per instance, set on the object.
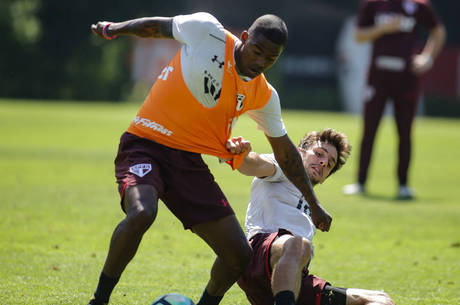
(207, 299)
(105, 287)
(285, 297)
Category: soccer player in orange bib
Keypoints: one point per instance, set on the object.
(191, 110)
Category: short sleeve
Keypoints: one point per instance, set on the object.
(190, 29)
(268, 118)
(278, 176)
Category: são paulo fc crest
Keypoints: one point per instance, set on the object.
(141, 169)
(239, 99)
(410, 7)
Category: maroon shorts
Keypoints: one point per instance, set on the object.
(182, 179)
(256, 280)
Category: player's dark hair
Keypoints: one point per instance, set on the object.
(333, 137)
(272, 27)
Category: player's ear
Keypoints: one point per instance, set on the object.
(244, 36)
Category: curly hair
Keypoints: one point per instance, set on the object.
(333, 137)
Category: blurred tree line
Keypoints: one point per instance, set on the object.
(47, 49)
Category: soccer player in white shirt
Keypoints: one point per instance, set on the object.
(280, 229)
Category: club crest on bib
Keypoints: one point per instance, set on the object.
(141, 169)
(239, 99)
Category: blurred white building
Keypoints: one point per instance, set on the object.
(353, 62)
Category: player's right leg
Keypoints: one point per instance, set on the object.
(141, 205)
(374, 105)
(140, 185)
(226, 237)
(288, 256)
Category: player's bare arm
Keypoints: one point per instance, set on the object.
(424, 61)
(255, 165)
(371, 33)
(290, 161)
(147, 27)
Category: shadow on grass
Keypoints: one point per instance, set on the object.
(392, 199)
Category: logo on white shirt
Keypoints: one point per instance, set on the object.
(215, 59)
(141, 169)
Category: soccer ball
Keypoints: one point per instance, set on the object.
(173, 299)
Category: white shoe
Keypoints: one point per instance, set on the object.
(405, 192)
(353, 189)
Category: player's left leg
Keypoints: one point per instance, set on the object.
(356, 296)
(405, 107)
(226, 237)
(330, 295)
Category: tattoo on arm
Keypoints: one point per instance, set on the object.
(290, 162)
(155, 27)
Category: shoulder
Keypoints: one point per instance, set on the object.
(196, 24)
(201, 19)
(274, 99)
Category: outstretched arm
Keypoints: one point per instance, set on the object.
(290, 161)
(255, 165)
(147, 27)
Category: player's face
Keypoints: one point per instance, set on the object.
(319, 160)
(256, 54)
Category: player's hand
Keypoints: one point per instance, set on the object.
(238, 145)
(321, 218)
(421, 63)
(98, 27)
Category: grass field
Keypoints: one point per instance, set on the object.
(60, 205)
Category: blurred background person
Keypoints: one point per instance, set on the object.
(395, 70)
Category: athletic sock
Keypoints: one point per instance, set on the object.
(285, 297)
(207, 299)
(105, 287)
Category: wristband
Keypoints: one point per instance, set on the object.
(105, 32)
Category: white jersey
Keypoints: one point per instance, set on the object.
(277, 204)
(202, 55)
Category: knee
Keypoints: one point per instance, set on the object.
(241, 258)
(299, 249)
(141, 218)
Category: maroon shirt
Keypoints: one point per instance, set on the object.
(401, 44)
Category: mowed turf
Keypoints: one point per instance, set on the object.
(59, 206)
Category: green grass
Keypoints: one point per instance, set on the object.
(59, 205)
